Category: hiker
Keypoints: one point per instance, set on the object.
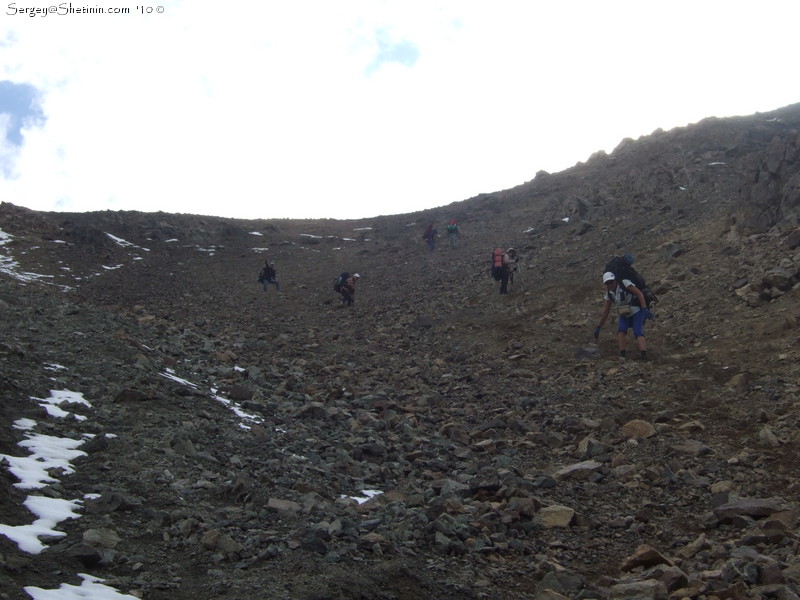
(504, 264)
(631, 309)
(622, 268)
(430, 236)
(453, 233)
(348, 289)
(267, 276)
(510, 260)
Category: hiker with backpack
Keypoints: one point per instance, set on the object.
(504, 264)
(622, 267)
(346, 285)
(429, 235)
(631, 308)
(267, 276)
(453, 233)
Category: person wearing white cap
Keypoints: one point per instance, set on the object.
(631, 309)
(348, 290)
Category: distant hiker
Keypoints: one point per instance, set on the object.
(631, 309)
(504, 264)
(453, 233)
(347, 288)
(429, 235)
(267, 276)
(510, 265)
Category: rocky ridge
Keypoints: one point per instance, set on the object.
(231, 429)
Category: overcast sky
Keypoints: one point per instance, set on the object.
(357, 108)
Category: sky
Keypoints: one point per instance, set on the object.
(358, 108)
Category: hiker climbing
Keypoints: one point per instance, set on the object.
(267, 276)
(453, 233)
(622, 267)
(346, 285)
(429, 235)
(631, 308)
(504, 265)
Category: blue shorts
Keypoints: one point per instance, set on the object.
(636, 321)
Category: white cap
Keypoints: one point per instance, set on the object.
(608, 276)
(356, 275)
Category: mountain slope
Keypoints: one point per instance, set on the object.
(514, 455)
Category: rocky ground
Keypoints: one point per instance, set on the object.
(231, 429)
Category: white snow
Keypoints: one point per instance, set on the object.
(125, 243)
(90, 588)
(367, 495)
(50, 456)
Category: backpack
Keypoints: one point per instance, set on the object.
(262, 276)
(497, 264)
(339, 281)
(622, 269)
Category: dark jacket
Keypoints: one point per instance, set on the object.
(267, 274)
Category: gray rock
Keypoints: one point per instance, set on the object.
(87, 555)
(104, 538)
(650, 589)
(752, 507)
(112, 502)
(578, 470)
(690, 447)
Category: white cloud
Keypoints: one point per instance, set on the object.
(8, 151)
(362, 107)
